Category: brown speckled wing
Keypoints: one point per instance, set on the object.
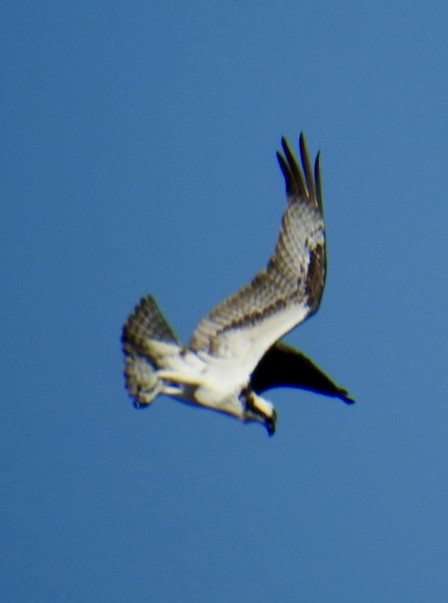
(290, 288)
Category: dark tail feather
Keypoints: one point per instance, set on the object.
(145, 325)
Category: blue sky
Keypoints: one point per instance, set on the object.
(138, 155)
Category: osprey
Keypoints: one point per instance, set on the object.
(235, 353)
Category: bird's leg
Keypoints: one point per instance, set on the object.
(172, 390)
(175, 377)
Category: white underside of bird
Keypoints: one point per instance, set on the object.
(211, 381)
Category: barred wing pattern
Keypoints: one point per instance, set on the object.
(145, 325)
(147, 342)
(290, 288)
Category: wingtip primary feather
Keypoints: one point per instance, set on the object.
(305, 158)
(286, 172)
(345, 397)
(318, 180)
(295, 181)
(300, 177)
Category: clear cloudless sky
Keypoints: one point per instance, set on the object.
(138, 156)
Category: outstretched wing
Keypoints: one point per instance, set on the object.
(284, 366)
(289, 290)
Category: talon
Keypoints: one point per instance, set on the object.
(271, 423)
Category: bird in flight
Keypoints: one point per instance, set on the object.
(236, 352)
